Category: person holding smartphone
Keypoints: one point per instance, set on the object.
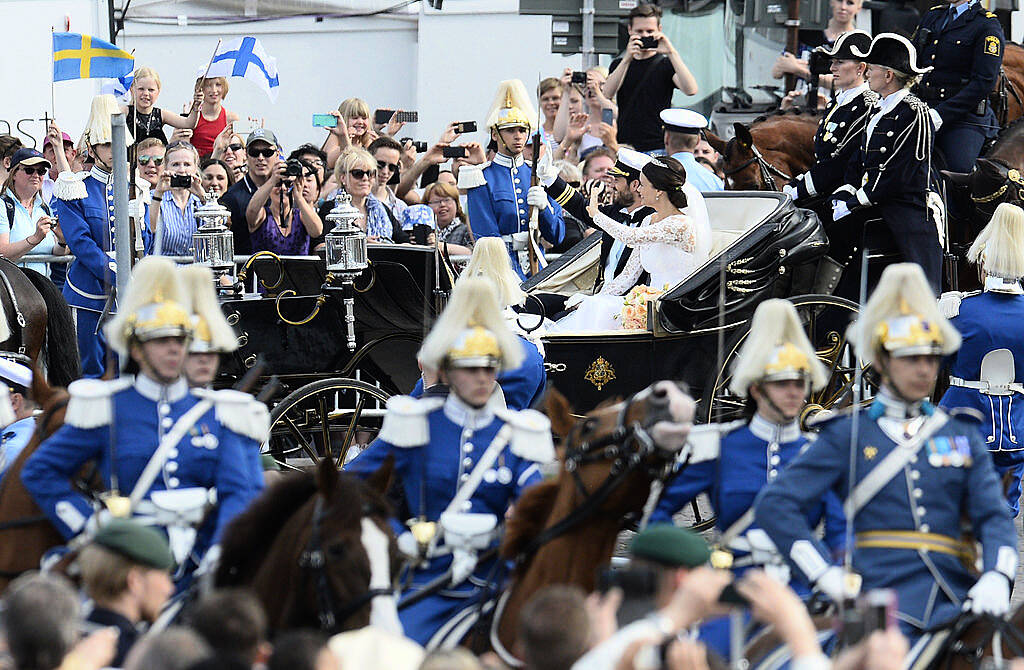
(177, 194)
(643, 80)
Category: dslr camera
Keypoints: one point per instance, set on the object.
(293, 169)
(819, 64)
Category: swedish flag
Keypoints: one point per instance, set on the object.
(85, 57)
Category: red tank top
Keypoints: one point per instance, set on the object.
(207, 131)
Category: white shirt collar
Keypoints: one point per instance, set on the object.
(1000, 285)
(153, 390)
(99, 173)
(849, 94)
(896, 408)
(890, 101)
(506, 161)
(461, 414)
(773, 432)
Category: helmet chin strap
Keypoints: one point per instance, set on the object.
(150, 370)
(890, 383)
(786, 418)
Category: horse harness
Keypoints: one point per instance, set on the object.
(19, 316)
(1000, 631)
(313, 559)
(767, 169)
(615, 446)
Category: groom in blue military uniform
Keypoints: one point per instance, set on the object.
(963, 42)
(499, 195)
(916, 474)
(157, 445)
(85, 205)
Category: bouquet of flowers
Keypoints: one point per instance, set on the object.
(634, 307)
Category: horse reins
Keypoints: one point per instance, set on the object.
(954, 646)
(766, 168)
(19, 317)
(314, 560)
(614, 447)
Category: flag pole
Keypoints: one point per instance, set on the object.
(53, 65)
(208, 66)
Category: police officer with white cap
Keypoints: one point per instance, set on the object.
(21, 423)
(682, 135)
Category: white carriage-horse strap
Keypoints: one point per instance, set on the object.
(163, 450)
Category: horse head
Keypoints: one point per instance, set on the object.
(739, 162)
(990, 183)
(317, 550)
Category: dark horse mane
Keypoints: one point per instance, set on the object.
(793, 111)
(1010, 130)
(248, 537)
(60, 347)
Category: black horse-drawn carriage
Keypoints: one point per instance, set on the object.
(333, 393)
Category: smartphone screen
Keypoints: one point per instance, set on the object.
(243, 126)
(382, 116)
(608, 116)
(325, 121)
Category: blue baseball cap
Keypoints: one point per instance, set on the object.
(26, 157)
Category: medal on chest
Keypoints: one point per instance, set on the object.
(949, 452)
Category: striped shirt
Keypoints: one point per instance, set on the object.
(177, 225)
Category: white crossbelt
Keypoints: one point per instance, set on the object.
(988, 387)
(171, 440)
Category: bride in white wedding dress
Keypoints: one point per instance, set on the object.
(668, 245)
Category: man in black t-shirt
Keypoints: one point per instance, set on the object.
(644, 79)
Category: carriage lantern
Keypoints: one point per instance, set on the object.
(346, 255)
(213, 244)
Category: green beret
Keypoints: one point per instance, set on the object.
(267, 462)
(669, 545)
(139, 544)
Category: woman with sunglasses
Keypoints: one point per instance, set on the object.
(150, 156)
(32, 229)
(280, 218)
(356, 172)
(387, 152)
(230, 148)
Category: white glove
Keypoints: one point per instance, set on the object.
(136, 208)
(537, 197)
(463, 565)
(546, 170)
(989, 595)
(408, 545)
(831, 583)
(575, 299)
(210, 561)
(790, 190)
(839, 210)
(99, 519)
(936, 119)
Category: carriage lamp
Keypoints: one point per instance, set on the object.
(346, 256)
(213, 244)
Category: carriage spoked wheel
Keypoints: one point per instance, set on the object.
(325, 419)
(825, 319)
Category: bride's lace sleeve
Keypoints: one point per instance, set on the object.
(675, 230)
(625, 280)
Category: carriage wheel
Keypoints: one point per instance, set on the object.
(326, 418)
(825, 319)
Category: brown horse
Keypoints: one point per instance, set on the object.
(768, 154)
(1009, 88)
(25, 532)
(311, 546)
(564, 530)
(41, 327)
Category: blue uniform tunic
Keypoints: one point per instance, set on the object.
(430, 476)
(497, 208)
(118, 425)
(750, 456)
(989, 321)
(925, 503)
(13, 439)
(88, 225)
(699, 175)
(966, 52)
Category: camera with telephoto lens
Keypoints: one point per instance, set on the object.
(819, 63)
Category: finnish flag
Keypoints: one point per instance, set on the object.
(119, 87)
(245, 57)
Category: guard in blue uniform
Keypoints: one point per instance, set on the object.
(521, 387)
(194, 484)
(983, 374)
(775, 369)
(963, 42)
(499, 194)
(462, 462)
(683, 129)
(17, 408)
(841, 129)
(888, 178)
(85, 205)
(918, 474)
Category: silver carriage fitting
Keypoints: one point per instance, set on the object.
(213, 245)
(346, 256)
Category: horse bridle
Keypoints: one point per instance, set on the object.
(766, 168)
(626, 446)
(954, 646)
(313, 559)
(19, 317)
